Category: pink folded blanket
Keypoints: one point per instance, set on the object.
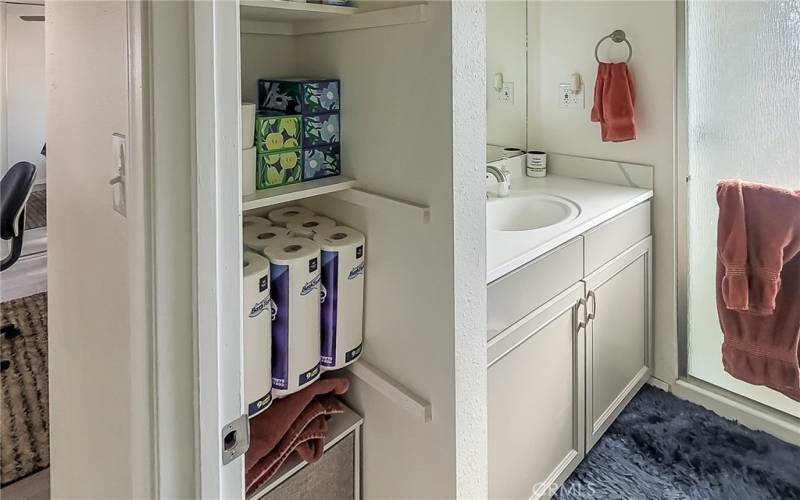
(297, 423)
(758, 283)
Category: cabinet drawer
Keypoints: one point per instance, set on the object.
(518, 293)
(611, 238)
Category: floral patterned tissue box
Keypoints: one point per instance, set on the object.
(278, 169)
(305, 97)
(321, 162)
(320, 130)
(275, 132)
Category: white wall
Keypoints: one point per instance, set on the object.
(91, 408)
(23, 111)
(506, 29)
(562, 39)
(424, 324)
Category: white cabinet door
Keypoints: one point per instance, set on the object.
(536, 399)
(618, 336)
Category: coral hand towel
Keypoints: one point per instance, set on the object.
(614, 102)
(296, 423)
(758, 284)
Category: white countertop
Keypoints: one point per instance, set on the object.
(598, 202)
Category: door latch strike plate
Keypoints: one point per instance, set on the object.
(235, 439)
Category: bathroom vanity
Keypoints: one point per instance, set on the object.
(569, 284)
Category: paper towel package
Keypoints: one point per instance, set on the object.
(257, 327)
(248, 171)
(248, 124)
(284, 215)
(342, 309)
(257, 237)
(295, 274)
(307, 227)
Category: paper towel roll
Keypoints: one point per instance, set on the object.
(257, 238)
(342, 310)
(254, 220)
(248, 124)
(294, 269)
(248, 171)
(308, 226)
(257, 327)
(284, 215)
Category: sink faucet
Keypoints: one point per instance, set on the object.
(503, 179)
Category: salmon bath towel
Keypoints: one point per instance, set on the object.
(614, 102)
(758, 283)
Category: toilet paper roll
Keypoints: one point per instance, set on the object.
(254, 220)
(257, 327)
(307, 227)
(257, 237)
(285, 215)
(342, 309)
(295, 274)
(248, 124)
(248, 171)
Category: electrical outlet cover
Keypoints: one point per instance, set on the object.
(507, 93)
(568, 99)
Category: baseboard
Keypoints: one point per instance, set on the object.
(748, 413)
(658, 384)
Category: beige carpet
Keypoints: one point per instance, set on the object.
(24, 426)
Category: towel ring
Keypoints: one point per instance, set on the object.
(617, 36)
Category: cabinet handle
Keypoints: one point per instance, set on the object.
(592, 296)
(579, 324)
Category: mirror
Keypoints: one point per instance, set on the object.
(506, 76)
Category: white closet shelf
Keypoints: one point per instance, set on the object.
(392, 390)
(284, 17)
(298, 191)
(340, 426)
(374, 201)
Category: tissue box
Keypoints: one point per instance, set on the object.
(320, 130)
(321, 162)
(278, 169)
(294, 96)
(276, 132)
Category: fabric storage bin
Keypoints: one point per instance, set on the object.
(296, 96)
(321, 162)
(278, 169)
(276, 132)
(320, 130)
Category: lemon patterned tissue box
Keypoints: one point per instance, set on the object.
(298, 96)
(276, 132)
(278, 169)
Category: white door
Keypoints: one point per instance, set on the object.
(618, 345)
(536, 399)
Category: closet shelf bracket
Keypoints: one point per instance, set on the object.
(369, 200)
(392, 390)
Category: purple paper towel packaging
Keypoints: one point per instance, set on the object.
(295, 288)
(256, 324)
(342, 306)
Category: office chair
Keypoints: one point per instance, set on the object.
(15, 188)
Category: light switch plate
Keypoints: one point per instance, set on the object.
(507, 93)
(118, 167)
(568, 99)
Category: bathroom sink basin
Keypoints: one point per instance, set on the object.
(525, 213)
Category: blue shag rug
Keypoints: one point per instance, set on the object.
(662, 447)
